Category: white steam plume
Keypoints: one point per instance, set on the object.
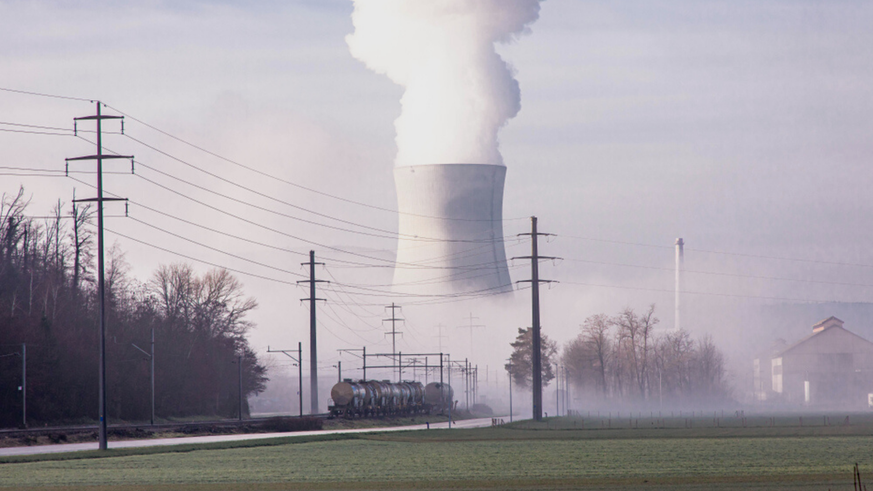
(459, 91)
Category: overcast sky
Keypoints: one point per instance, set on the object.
(742, 127)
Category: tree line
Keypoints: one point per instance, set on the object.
(622, 359)
(48, 300)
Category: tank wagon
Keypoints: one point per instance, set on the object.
(374, 398)
(439, 396)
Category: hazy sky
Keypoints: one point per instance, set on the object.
(743, 127)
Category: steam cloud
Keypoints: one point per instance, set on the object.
(459, 91)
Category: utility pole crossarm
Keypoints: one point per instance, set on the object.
(104, 156)
(97, 200)
(97, 116)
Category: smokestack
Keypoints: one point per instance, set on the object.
(451, 229)
(680, 264)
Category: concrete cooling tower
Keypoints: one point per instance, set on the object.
(451, 229)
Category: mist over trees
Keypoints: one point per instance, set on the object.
(48, 299)
(621, 359)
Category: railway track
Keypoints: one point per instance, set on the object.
(192, 426)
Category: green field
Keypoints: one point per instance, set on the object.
(487, 458)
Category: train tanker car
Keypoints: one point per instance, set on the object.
(374, 398)
(438, 397)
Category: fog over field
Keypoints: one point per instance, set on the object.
(263, 130)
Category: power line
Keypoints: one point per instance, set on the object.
(53, 96)
(34, 132)
(311, 242)
(235, 256)
(41, 127)
(19, 174)
(284, 181)
(716, 273)
(215, 265)
(725, 253)
(263, 195)
(265, 174)
(661, 290)
(235, 216)
(70, 132)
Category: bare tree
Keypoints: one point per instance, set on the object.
(595, 330)
(635, 334)
(82, 241)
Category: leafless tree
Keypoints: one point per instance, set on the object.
(635, 334)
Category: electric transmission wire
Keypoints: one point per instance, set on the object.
(382, 293)
(285, 181)
(690, 292)
(278, 179)
(716, 273)
(392, 235)
(183, 195)
(308, 241)
(42, 94)
(725, 253)
(215, 265)
(377, 292)
(235, 256)
(34, 132)
(69, 131)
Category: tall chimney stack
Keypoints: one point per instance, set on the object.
(680, 264)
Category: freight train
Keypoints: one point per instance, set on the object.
(373, 398)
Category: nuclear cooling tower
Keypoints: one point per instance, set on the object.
(451, 229)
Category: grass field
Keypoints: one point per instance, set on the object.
(511, 457)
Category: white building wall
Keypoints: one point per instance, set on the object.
(776, 364)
